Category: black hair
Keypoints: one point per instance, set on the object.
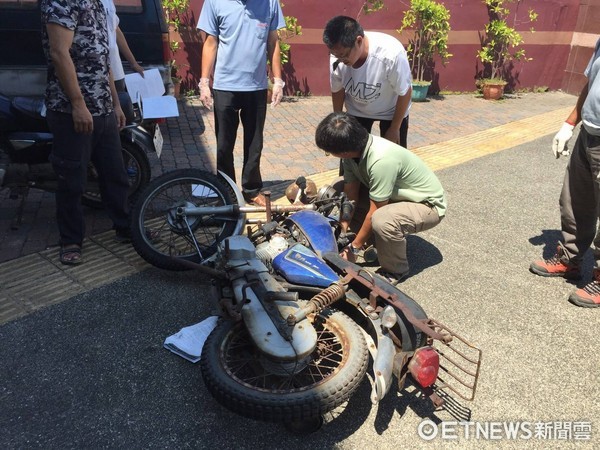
(341, 133)
(342, 30)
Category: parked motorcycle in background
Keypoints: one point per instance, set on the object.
(26, 143)
(297, 322)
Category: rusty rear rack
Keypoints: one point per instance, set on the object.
(460, 362)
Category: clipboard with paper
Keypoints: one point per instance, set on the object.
(147, 92)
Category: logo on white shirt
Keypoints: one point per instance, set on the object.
(363, 92)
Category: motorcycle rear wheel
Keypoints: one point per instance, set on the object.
(138, 170)
(233, 373)
(161, 237)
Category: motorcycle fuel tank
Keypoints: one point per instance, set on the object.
(301, 265)
(317, 230)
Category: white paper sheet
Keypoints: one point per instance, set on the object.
(158, 107)
(150, 85)
(188, 342)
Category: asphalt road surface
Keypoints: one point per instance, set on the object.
(92, 373)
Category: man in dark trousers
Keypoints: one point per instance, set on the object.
(84, 116)
(240, 37)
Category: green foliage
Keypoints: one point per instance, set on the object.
(500, 44)
(430, 22)
(291, 29)
(174, 10)
(371, 6)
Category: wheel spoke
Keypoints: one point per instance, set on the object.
(177, 241)
(243, 363)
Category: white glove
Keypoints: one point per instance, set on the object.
(559, 143)
(205, 95)
(278, 85)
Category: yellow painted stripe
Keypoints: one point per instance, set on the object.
(463, 149)
(53, 282)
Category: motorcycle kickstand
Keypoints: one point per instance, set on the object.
(23, 192)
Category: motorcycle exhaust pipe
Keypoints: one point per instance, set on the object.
(382, 368)
(386, 352)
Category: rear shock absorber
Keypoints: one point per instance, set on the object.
(322, 300)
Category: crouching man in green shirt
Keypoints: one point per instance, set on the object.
(405, 196)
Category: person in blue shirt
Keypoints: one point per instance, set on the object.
(240, 36)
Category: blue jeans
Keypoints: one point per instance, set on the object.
(71, 154)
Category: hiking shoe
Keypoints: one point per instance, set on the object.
(589, 295)
(392, 277)
(557, 266)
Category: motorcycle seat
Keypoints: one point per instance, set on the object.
(29, 106)
(39, 137)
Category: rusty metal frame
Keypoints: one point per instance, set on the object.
(451, 357)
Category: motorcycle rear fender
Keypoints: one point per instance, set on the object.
(239, 229)
(137, 135)
(411, 337)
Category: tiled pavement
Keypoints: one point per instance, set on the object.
(289, 150)
(443, 131)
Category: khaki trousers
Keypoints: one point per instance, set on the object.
(580, 197)
(391, 224)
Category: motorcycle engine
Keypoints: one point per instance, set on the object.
(266, 251)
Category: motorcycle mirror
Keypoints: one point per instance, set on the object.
(301, 182)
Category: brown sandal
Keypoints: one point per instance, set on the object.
(70, 256)
(259, 200)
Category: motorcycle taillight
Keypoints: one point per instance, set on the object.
(424, 366)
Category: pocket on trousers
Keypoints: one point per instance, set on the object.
(65, 169)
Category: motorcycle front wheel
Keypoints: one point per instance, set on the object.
(239, 378)
(162, 237)
(138, 171)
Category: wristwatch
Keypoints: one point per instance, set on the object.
(354, 250)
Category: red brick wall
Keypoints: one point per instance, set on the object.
(585, 35)
(565, 33)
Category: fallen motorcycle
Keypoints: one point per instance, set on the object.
(297, 321)
(26, 142)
